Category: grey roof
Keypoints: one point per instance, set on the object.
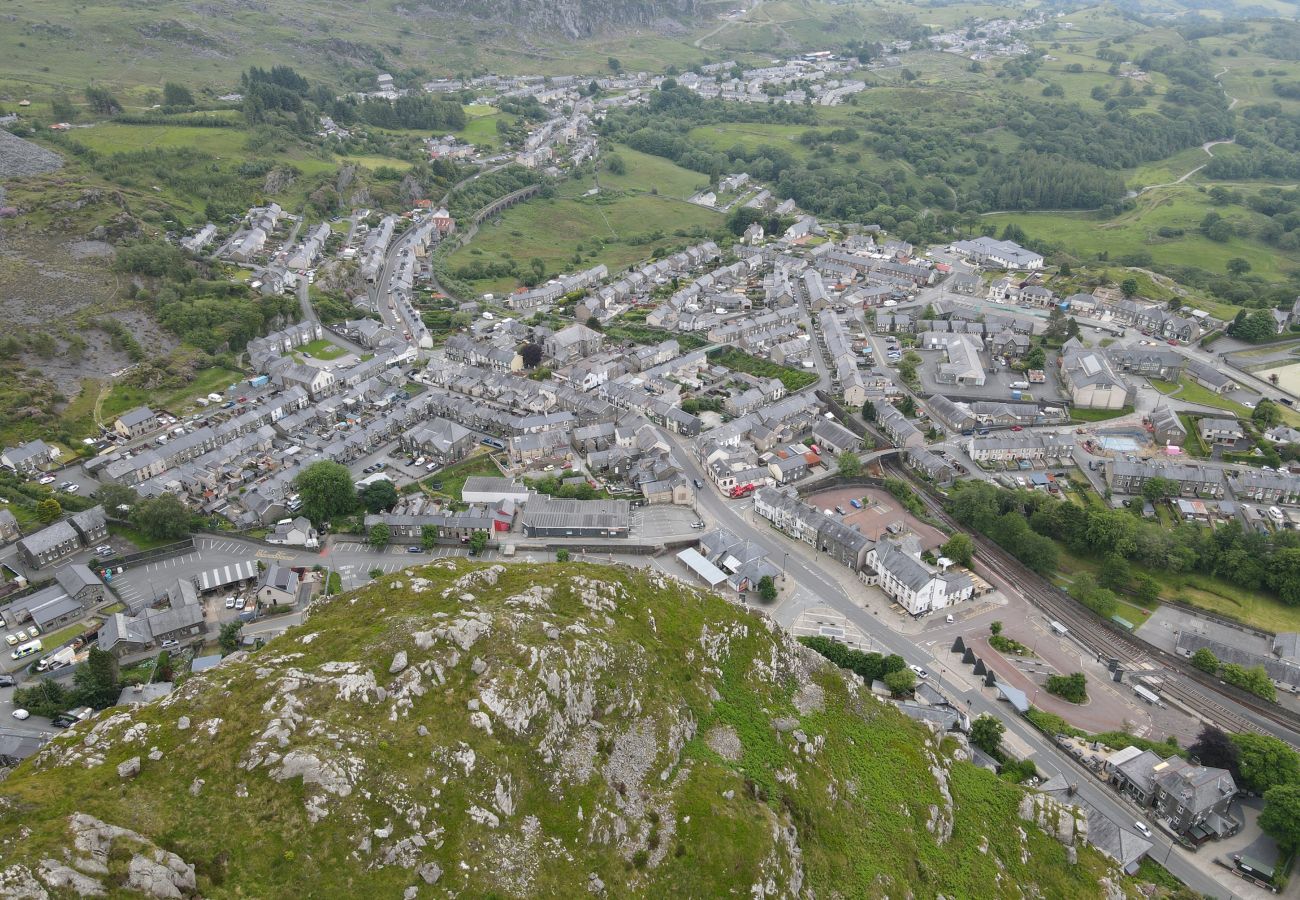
(542, 511)
(50, 604)
(1197, 788)
(76, 577)
(910, 571)
(49, 537)
(136, 416)
(92, 519)
(280, 578)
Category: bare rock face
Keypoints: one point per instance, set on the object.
(398, 664)
(575, 18)
(59, 876)
(160, 874)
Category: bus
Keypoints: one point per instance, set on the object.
(27, 649)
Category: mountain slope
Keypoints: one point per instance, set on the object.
(524, 731)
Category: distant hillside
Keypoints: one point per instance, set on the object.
(572, 18)
(524, 731)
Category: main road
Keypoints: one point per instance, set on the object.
(1048, 758)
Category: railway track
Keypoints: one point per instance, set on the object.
(1105, 643)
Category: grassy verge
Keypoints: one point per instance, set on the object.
(1098, 415)
(138, 538)
(645, 334)
(739, 361)
(1204, 591)
(52, 639)
(452, 478)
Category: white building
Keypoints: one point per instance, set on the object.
(916, 586)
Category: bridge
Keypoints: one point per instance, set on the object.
(501, 204)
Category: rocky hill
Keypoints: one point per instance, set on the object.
(572, 18)
(526, 731)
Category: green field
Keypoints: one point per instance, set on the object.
(452, 478)
(322, 349)
(108, 137)
(1180, 207)
(178, 401)
(646, 174)
(616, 231)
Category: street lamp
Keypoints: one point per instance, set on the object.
(785, 556)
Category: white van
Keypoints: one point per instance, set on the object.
(28, 649)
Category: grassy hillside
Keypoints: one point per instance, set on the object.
(551, 730)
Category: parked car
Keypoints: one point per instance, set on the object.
(855, 503)
(32, 631)
(697, 524)
(103, 550)
(11, 639)
(21, 714)
(230, 603)
(920, 673)
(1140, 826)
(1016, 428)
(240, 603)
(72, 488)
(170, 644)
(414, 549)
(47, 479)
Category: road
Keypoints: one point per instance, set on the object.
(828, 592)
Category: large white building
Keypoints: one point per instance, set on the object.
(1004, 254)
(915, 585)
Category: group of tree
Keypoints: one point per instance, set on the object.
(96, 683)
(1254, 679)
(1028, 525)
(1072, 687)
(892, 669)
(1260, 764)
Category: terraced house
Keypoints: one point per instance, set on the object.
(1124, 477)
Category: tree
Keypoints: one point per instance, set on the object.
(229, 637)
(531, 354)
(614, 65)
(1129, 287)
(48, 510)
(478, 542)
(868, 410)
(766, 589)
(995, 628)
(428, 537)
(326, 489)
(96, 680)
(960, 548)
(1265, 762)
(102, 101)
(1215, 748)
(163, 517)
(114, 496)
(1237, 266)
(1146, 589)
(1280, 818)
(1072, 687)
(562, 555)
(1266, 414)
(1205, 660)
(1156, 489)
(848, 464)
(177, 95)
(61, 108)
(1115, 572)
(379, 496)
(900, 681)
(986, 733)
(45, 698)
(615, 164)
(379, 535)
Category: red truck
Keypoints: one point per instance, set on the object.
(742, 490)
